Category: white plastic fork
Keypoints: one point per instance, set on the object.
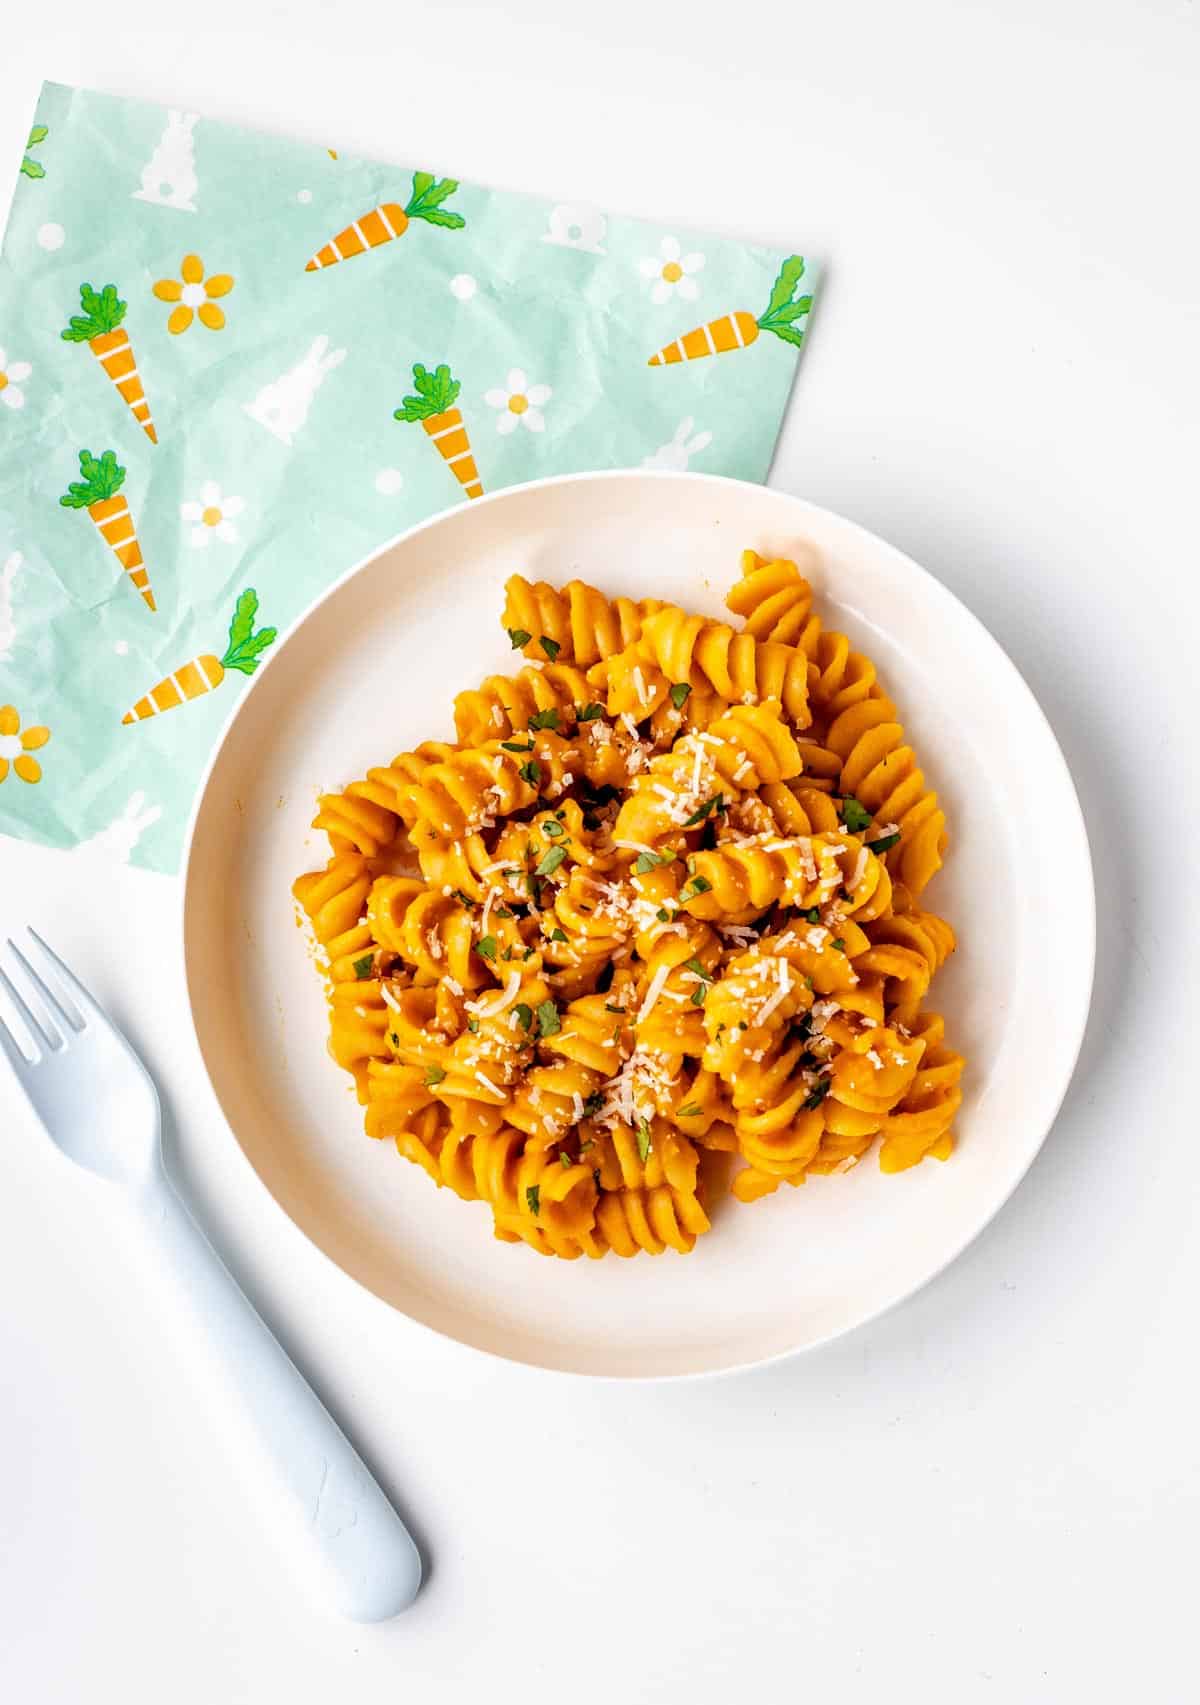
(98, 1103)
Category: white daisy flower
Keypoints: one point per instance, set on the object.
(519, 402)
(213, 515)
(12, 374)
(672, 272)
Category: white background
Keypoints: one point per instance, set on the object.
(991, 1494)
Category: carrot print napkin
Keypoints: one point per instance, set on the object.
(230, 366)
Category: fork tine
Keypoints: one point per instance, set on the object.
(66, 1020)
(8, 1043)
(86, 1008)
(43, 1036)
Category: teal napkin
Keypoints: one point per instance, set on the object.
(231, 365)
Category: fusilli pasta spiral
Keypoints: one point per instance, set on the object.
(656, 911)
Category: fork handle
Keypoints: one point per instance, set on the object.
(339, 1514)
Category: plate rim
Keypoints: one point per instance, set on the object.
(1087, 905)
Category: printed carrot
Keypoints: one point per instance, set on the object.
(389, 220)
(739, 329)
(199, 675)
(100, 327)
(99, 492)
(433, 407)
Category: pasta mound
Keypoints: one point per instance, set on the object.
(654, 912)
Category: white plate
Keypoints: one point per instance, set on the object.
(371, 669)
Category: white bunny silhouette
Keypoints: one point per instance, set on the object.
(169, 176)
(575, 225)
(283, 405)
(8, 627)
(119, 837)
(676, 455)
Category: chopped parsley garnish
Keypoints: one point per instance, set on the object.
(699, 994)
(531, 772)
(854, 815)
(550, 646)
(473, 1026)
(551, 861)
(463, 899)
(691, 1111)
(394, 1039)
(557, 935)
(505, 912)
(565, 1160)
(609, 1007)
(648, 861)
(533, 1197)
(716, 803)
(549, 1023)
(486, 947)
(663, 916)
(364, 966)
(544, 719)
(818, 1094)
(883, 843)
(839, 946)
(643, 1140)
(812, 915)
(698, 968)
(524, 1015)
(679, 693)
(591, 1107)
(691, 889)
(588, 712)
(519, 637)
(433, 1075)
(517, 745)
(553, 829)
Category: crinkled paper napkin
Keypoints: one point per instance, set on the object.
(231, 366)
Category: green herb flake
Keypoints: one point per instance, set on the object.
(591, 1107)
(394, 1039)
(883, 844)
(531, 772)
(716, 803)
(363, 967)
(524, 1015)
(663, 916)
(473, 1026)
(679, 693)
(519, 637)
(550, 646)
(565, 1160)
(691, 1111)
(433, 1075)
(517, 745)
(855, 816)
(588, 712)
(549, 1023)
(486, 947)
(812, 915)
(698, 968)
(699, 994)
(553, 829)
(544, 719)
(839, 946)
(533, 1198)
(551, 861)
(818, 1094)
(643, 1140)
(557, 935)
(463, 899)
(609, 1007)
(692, 889)
(648, 861)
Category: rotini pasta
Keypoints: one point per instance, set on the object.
(654, 913)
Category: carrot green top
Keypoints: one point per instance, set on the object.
(785, 307)
(102, 312)
(425, 202)
(244, 644)
(101, 479)
(436, 392)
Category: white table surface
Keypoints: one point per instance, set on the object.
(991, 1494)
